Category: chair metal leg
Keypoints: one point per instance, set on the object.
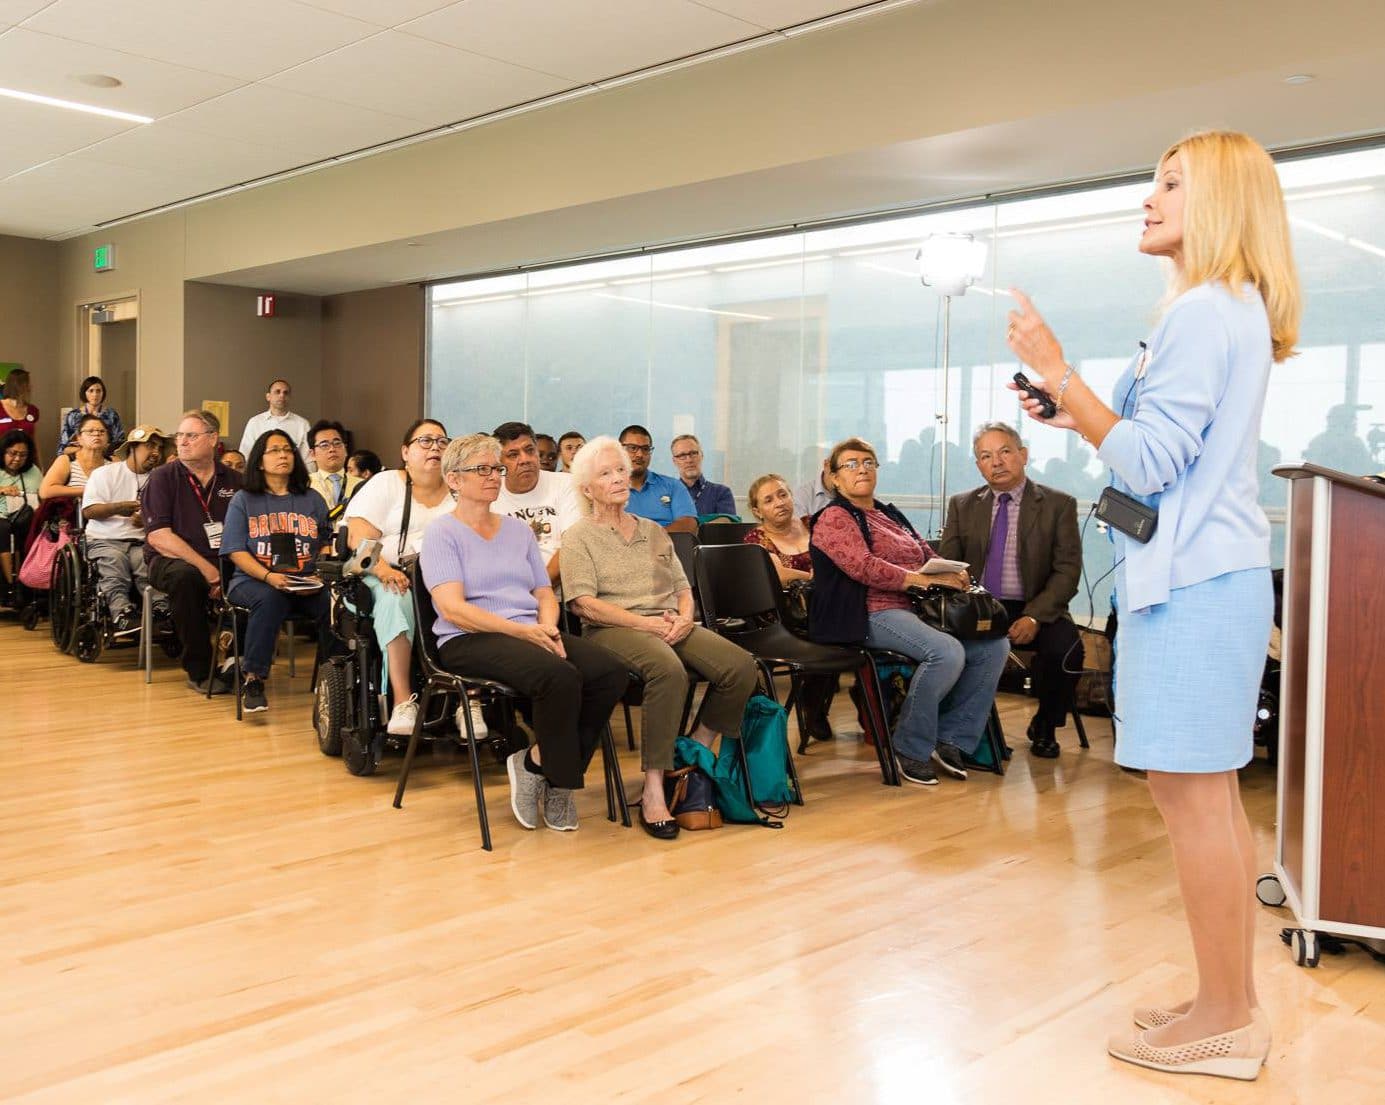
(995, 736)
(146, 636)
(797, 700)
(629, 726)
(615, 784)
(235, 665)
(412, 748)
(874, 699)
(481, 814)
(687, 707)
(290, 643)
(1077, 721)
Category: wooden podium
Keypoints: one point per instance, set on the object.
(1330, 836)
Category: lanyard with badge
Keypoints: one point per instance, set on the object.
(211, 528)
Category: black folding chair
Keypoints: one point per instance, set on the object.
(741, 602)
(724, 533)
(438, 680)
(225, 610)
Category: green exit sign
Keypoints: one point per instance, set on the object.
(103, 258)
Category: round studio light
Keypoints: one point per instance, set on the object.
(98, 80)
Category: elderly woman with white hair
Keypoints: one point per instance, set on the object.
(621, 575)
(498, 619)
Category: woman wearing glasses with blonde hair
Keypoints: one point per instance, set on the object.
(1195, 598)
(498, 619)
(395, 508)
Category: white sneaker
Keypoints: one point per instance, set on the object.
(403, 717)
(478, 721)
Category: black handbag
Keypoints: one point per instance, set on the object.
(974, 615)
(794, 608)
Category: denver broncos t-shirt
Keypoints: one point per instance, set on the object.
(284, 533)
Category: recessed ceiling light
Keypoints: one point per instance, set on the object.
(1300, 78)
(71, 105)
(98, 80)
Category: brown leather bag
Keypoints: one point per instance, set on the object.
(691, 798)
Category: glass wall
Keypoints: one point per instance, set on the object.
(770, 350)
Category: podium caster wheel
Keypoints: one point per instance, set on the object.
(1269, 890)
(1305, 948)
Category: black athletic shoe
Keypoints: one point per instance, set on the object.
(252, 699)
(916, 771)
(949, 758)
(125, 624)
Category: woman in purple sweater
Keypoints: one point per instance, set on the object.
(498, 619)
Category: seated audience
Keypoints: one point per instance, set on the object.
(115, 525)
(184, 507)
(378, 511)
(622, 576)
(91, 399)
(708, 497)
(19, 483)
(498, 619)
(548, 452)
(661, 499)
(543, 500)
(16, 412)
(568, 445)
(327, 444)
(785, 537)
(275, 528)
(363, 464)
(865, 555)
(278, 417)
(1021, 539)
(67, 476)
(812, 496)
(234, 459)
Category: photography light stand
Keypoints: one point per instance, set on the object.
(950, 263)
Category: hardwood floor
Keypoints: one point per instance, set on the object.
(200, 910)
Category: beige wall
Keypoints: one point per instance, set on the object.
(231, 354)
(372, 364)
(29, 327)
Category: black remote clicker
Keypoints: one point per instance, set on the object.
(1049, 408)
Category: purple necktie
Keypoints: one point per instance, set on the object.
(995, 555)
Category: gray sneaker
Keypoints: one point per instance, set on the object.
(526, 791)
(559, 810)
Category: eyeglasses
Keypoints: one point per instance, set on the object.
(334, 443)
(279, 451)
(642, 450)
(92, 433)
(868, 465)
(190, 435)
(485, 471)
(693, 455)
(429, 442)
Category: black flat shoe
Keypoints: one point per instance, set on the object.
(659, 830)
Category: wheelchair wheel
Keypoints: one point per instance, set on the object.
(87, 643)
(329, 708)
(29, 616)
(359, 752)
(64, 596)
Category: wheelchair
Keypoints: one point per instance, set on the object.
(80, 621)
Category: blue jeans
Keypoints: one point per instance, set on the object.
(953, 686)
(269, 609)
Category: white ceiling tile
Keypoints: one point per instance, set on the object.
(583, 42)
(16, 11)
(404, 75)
(211, 162)
(776, 14)
(35, 133)
(383, 13)
(309, 127)
(50, 66)
(70, 192)
(249, 38)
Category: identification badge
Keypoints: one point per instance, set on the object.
(213, 532)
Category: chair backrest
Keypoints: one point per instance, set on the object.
(425, 614)
(724, 533)
(737, 582)
(685, 545)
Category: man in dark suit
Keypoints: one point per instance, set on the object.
(1021, 540)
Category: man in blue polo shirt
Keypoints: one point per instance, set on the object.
(661, 499)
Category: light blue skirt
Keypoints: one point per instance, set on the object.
(1188, 675)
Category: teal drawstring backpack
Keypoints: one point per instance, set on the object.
(765, 799)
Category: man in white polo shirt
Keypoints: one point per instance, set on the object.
(544, 501)
(278, 417)
(114, 526)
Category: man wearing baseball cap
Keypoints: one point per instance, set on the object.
(115, 529)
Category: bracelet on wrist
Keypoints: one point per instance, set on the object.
(1063, 386)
